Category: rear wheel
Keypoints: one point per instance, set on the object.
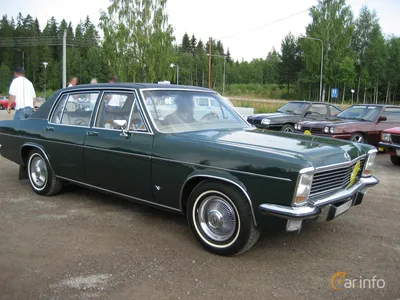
(287, 128)
(358, 138)
(395, 160)
(41, 177)
(221, 219)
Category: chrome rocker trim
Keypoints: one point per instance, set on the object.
(313, 209)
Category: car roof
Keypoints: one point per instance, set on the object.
(311, 102)
(377, 105)
(139, 86)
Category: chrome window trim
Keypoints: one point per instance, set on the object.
(62, 115)
(54, 107)
(220, 169)
(137, 100)
(186, 90)
(223, 179)
(120, 194)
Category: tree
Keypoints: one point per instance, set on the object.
(332, 22)
(347, 74)
(137, 34)
(290, 64)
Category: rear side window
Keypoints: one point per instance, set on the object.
(75, 109)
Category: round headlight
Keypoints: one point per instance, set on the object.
(296, 126)
(265, 121)
(326, 129)
(332, 130)
(299, 126)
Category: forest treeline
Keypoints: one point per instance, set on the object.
(137, 44)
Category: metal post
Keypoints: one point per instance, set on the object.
(177, 74)
(23, 60)
(64, 60)
(45, 84)
(223, 82)
(322, 63)
(209, 63)
(322, 70)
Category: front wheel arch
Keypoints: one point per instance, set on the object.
(193, 181)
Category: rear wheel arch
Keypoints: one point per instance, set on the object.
(27, 148)
(193, 181)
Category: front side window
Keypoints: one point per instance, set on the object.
(117, 108)
(75, 109)
(318, 109)
(184, 111)
(335, 111)
(392, 114)
(361, 112)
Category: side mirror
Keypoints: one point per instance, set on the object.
(382, 118)
(122, 125)
(308, 113)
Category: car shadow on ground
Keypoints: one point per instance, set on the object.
(270, 239)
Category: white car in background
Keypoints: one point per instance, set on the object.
(243, 111)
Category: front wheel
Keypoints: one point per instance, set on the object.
(395, 160)
(220, 217)
(41, 177)
(287, 128)
(358, 138)
(1, 107)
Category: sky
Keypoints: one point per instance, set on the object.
(227, 20)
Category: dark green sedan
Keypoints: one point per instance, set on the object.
(160, 145)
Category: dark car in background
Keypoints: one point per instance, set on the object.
(390, 141)
(358, 123)
(292, 112)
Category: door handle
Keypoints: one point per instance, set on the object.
(48, 128)
(92, 133)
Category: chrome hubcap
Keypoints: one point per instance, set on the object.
(217, 218)
(358, 139)
(288, 130)
(38, 172)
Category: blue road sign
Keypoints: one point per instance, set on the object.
(334, 93)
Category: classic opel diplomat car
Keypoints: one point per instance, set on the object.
(229, 179)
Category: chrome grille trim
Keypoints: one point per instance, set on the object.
(331, 179)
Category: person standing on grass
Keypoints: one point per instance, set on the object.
(22, 92)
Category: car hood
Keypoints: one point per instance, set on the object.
(272, 116)
(319, 151)
(395, 130)
(333, 123)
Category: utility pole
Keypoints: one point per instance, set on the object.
(209, 62)
(64, 60)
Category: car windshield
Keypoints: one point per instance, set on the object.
(293, 108)
(361, 112)
(183, 111)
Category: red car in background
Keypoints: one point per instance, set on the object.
(4, 103)
(390, 141)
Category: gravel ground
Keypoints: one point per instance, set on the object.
(85, 245)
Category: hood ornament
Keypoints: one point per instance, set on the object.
(347, 157)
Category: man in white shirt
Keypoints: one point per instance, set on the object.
(22, 91)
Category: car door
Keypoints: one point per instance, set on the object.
(317, 112)
(64, 135)
(119, 160)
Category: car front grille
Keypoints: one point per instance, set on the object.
(313, 130)
(395, 138)
(330, 180)
(254, 121)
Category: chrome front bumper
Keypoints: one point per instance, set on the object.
(314, 208)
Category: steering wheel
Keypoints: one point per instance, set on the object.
(80, 122)
(210, 116)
